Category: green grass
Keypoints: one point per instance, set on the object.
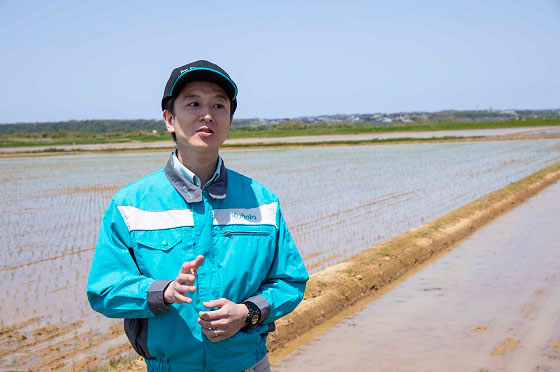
(78, 138)
(275, 131)
(317, 131)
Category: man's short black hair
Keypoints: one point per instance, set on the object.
(169, 106)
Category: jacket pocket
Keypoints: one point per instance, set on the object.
(160, 253)
(235, 243)
(248, 249)
(162, 240)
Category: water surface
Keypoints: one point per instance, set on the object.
(490, 304)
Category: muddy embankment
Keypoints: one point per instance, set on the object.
(349, 285)
(341, 286)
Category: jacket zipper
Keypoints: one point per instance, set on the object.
(244, 233)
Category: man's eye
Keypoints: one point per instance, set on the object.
(192, 104)
(219, 106)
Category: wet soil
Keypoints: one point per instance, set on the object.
(61, 347)
(489, 305)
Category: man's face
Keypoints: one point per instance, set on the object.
(202, 118)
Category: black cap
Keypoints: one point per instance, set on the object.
(199, 70)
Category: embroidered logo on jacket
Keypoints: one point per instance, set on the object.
(243, 216)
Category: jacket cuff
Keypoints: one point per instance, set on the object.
(263, 305)
(155, 296)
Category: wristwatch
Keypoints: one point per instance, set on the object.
(253, 317)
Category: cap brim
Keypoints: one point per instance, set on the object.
(205, 74)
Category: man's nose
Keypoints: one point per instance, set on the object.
(206, 117)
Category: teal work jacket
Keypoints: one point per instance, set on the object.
(157, 223)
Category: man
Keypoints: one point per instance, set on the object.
(197, 258)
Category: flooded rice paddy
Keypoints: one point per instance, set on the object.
(489, 305)
(337, 201)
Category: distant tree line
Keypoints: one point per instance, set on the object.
(91, 126)
(83, 127)
(110, 126)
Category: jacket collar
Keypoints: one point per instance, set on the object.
(189, 191)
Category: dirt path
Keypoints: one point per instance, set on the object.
(489, 305)
(528, 132)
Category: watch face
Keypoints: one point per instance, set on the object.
(254, 319)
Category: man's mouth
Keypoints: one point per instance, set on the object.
(205, 130)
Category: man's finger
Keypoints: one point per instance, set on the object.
(191, 266)
(216, 314)
(211, 332)
(215, 303)
(216, 335)
(185, 288)
(197, 262)
(219, 323)
(186, 278)
(212, 315)
(187, 268)
(220, 338)
(180, 299)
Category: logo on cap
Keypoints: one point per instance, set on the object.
(187, 69)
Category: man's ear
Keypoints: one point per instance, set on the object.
(168, 118)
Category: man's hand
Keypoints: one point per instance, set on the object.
(223, 323)
(176, 290)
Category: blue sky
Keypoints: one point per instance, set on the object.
(63, 60)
